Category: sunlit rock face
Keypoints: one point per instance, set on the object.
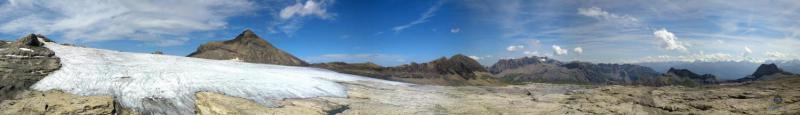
(247, 47)
(23, 63)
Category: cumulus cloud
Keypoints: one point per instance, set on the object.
(422, 19)
(514, 48)
(668, 40)
(578, 50)
(309, 8)
(159, 22)
(455, 30)
(600, 14)
(475, 57)
(531, 53)
(558, 51)
(291, 18)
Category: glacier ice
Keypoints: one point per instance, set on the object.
(163, 84)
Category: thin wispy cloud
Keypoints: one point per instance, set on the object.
(626, 30)
(157, 22)
(603, 15)
(422, 19)
(512, 48)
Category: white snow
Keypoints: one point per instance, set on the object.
(15, 56)
(26, 49)
(164, 84)
(235, 59)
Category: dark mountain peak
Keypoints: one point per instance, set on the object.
(457, 64)
(767, 69)
(578, 65)
(249, 37)
(247, 33)
(34, 40)
(682, 72)
(686, 74)
(765, 72)
(459, 56)
(247, 47)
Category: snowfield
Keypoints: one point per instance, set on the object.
(163, 84)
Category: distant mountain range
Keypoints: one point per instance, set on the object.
(542, 69)
(725, 70)
(462, 70)
(456, 70)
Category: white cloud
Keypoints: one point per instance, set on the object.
(514, 48)
(669, 41)
(777, 55)
(291, 18)
(693, 57)
(600, 14)
(159, 22)
(558, 51)
(300, 9)
(422, 19)
(531, 53)
(475, 57)
(578, 50)
(455, 30)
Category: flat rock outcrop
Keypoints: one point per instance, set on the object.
(247, 47)
(209, 103)
(57, 103)
(23, 63)
(761, 97)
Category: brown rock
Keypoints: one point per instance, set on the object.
(58, 103)
(209, 103)
(247, 47)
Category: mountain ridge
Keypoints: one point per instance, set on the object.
(247, 47)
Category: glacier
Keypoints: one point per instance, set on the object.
(164, 84)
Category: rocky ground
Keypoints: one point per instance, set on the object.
(761, 97)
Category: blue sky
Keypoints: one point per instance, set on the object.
(393, 32)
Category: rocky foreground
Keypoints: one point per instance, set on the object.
(759, 97)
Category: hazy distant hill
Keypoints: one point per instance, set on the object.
(724, 70)
(456, 70)
(766, 72)
(541, 69)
